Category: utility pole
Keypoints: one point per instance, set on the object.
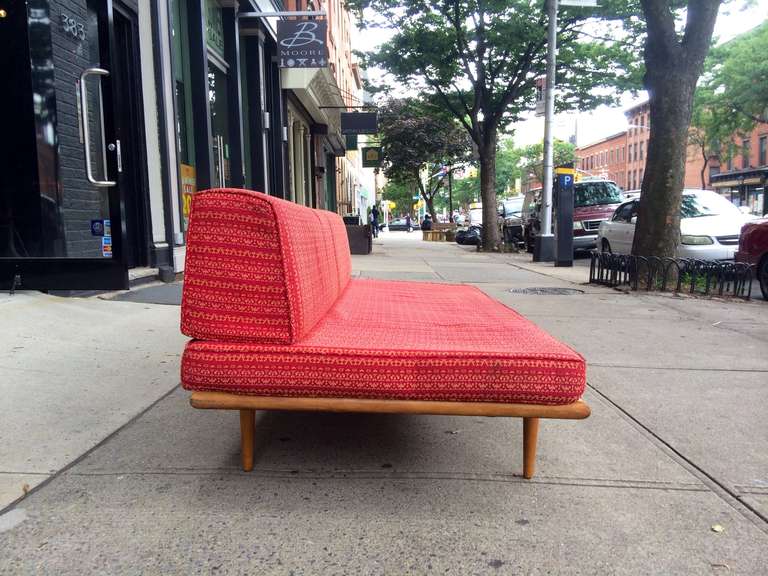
(450, 192)
(544, 247)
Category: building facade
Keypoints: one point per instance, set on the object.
(125, 108)
(740, 177)
(605, 158)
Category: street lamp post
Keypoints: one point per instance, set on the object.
(544, 247)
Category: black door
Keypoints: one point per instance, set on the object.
(62, 225)
(132, 176)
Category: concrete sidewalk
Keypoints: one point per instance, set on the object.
(676, 446)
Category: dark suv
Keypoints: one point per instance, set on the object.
(511, 220)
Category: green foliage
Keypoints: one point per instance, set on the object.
(483, 57)
(401, 194)
(417, 139)
(732, 95)
(532, 157)
(480, 60)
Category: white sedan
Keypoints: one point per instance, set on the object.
(709, 227)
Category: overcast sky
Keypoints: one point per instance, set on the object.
(604, 121)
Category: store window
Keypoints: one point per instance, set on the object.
(745, 150)
(185, 132)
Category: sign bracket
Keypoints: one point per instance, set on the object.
(282, 14)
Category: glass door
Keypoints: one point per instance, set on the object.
(217, 97)
(61, 225)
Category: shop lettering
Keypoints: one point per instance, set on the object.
(73, 27)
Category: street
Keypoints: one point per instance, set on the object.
(668, 476)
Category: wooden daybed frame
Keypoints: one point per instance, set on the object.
(247, 405)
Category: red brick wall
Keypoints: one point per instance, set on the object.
(606, 158)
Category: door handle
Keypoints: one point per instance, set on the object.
(84, 123)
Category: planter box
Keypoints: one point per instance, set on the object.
(360, 239)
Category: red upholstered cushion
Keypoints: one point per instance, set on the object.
(259, 268)
(400, 340)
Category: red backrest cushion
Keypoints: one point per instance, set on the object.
(259, 268)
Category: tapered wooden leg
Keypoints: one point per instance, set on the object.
(530, 434)
(247, 424)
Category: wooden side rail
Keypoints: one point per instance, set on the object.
(247, 405)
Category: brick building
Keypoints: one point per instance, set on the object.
(605, 158)
(742, 178)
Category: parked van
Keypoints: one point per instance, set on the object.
(594, 200)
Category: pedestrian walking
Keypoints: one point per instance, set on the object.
(408, 222)
(375, 221)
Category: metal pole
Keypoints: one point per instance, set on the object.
(545, 243)
(450, 193)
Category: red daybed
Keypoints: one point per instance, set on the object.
(278, 324)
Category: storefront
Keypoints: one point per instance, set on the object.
(125, 108)
(75, 180)
(744, 188)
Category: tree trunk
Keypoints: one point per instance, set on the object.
(487, 153)
(672, 68)
(430, 202)
(704, 172)
(658, 221)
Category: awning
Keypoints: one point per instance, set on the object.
(735, 178)
(732, 183)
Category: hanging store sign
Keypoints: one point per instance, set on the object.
(371, 157)
(359, 122)
(302, 43)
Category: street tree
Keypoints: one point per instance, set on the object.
(735, 80)
(732, 96)
(480, 58)
(417, 140)
(674, 57)
(711, 132)
(531, 157)
(401, 194)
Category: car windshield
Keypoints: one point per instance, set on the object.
(514, 206)
(699, 205)
(596, 194)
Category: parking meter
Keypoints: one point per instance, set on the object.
(564, 176)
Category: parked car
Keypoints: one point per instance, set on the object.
(709, 227)
(594, 201)
(753, 249)
(399, 224)
(511, 221)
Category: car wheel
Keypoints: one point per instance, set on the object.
(605, 246)
(762, 275)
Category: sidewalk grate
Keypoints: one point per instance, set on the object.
(547, 291)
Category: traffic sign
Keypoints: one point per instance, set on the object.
(578, 2)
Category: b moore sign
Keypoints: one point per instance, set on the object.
(302, 43)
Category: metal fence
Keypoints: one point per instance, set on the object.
(706, 277)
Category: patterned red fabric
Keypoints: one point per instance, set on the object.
(400, 340)
(259, 268)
